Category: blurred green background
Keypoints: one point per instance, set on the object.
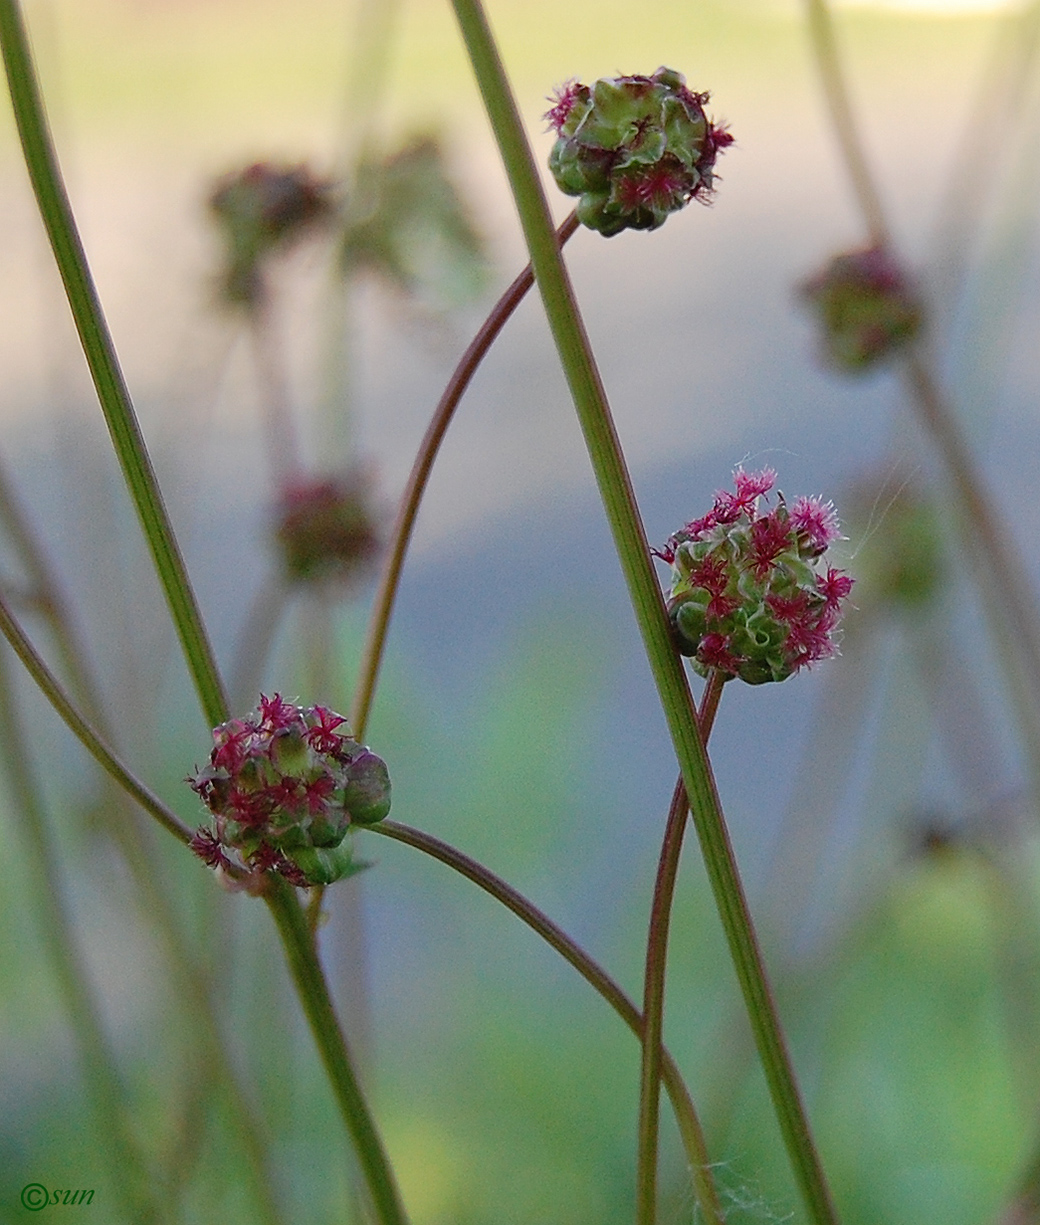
(876, 804)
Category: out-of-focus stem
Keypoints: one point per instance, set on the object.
(130, 1178)
(279, 429)
(654, 977)
(689, 1125)
(839, 108)
(389, 580)
(1000, 575)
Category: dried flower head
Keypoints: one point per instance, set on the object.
(260, 208)
(324, 529)
(284, 786)
(751, 594)
(634, 149)
(867, 307)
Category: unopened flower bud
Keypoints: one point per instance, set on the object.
(284, 786)
(866, 306)
(633, 148)
(749, 596)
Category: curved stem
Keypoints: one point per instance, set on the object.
(389, 580)
(313, 991)
(622, 513)
(686, 1116)
(42, 164)
(654, 978)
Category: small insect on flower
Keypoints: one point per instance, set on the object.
(634, 149)
(752, 594)
(285, 786)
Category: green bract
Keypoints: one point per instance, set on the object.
(633, 148)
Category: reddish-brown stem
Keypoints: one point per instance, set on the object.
(382, 608)
(656, 963)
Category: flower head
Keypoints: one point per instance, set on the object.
(259, 208)
(284, 786)
(633, 148)
(325, 530)
(867, 307)
(747, 597)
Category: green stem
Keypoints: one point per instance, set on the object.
(82, 730)
(45, 175)
(313, 991)
(389, 580)
(654, 978)
(686, 1116)
(105, 1088)
(630, 542)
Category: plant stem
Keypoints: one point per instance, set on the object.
(302, 956)
(686, 1116)
(1009, 604)
(389, 580)
(48, 683)
(45, 175)
(839, 108)
(654, 978)
(630, 541)
(106, 1091)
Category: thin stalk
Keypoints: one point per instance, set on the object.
(418, 478)
(1005, 594)
(279, 428)
(654, 977)
(686, 1116)
(839, 108)
(105, 1089)
(52, 690)
(309, 978)
(633, 552)
(45, 175)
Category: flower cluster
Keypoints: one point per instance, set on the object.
(747, 595)
(284, 786)
(866, 306)
(634, 149)
(260, 208)
(324, 529)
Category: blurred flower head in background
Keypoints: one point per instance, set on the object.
(867, 308)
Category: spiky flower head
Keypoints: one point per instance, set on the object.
(867, 307)
(752, 594)
(284, 786)
(633, 148)
(260, 208)
(324, 529)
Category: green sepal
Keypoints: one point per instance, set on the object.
(325, 866)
